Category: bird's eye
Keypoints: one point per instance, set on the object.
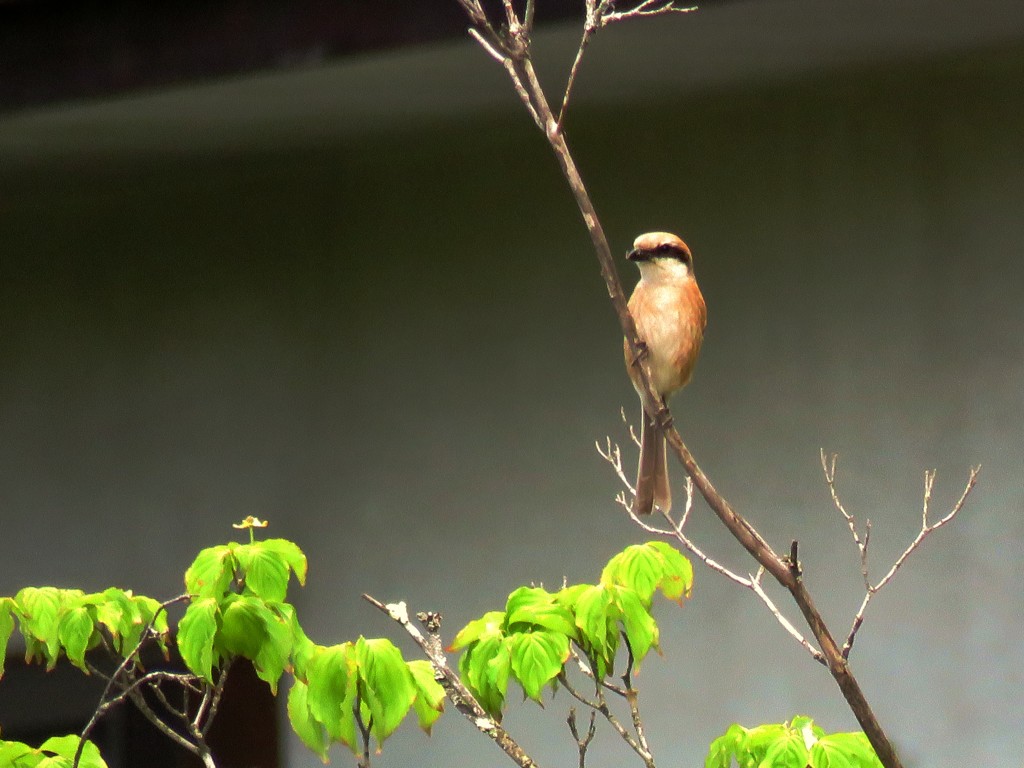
(664, 248)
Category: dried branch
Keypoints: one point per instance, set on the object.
(828, 465)
(581, 743)
(454, 688)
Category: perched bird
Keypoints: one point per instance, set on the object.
(670, 317)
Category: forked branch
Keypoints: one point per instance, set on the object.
(828, 466)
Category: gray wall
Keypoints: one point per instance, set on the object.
(394, 344)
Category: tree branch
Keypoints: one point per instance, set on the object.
(454, 688)
(514, 42)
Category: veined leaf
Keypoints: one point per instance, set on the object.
(538, 608)
(487, 626)
(75, 630)
(387, 684)
(429, 702)
(290, 554)
(677, 578)
(305, 725)
(196, 632)
(641, 629)
(331, 691)
(485, 670)
(38, 610)
(242, 628)
(844, 750)
(787, 751)
(66, 746)
(725, 747)
(537, 658)
(211, 572)
(265, 571)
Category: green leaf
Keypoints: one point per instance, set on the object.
(597, 617)
(725, 747)
(145, 611)
(17, 754)
(116, 611)
(290, 554)
(75, 630)
(641, 629)
(650, 566)
(538, 608)
(487, 626)
(677, 578)
(387, 684)
(844, 750)
(6, 628)
(761, 738)
(66, 746)
(485, 670)
(331, 693)
(537, 658)
(265, 572)
(196, 633)
(242, 628)
(305, 725)
(276, 650)
(788, 751)
(302, 647)
(429, 702)
(39, 616)
(211, 572)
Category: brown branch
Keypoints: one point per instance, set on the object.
(582, 743)
(454, 688)
(828, 466)
(514, 44)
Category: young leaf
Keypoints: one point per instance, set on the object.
(488, 625)
(66, 746)
(787, 751)
(265, 571)
(538, 608)
(537, 658)
(677, 578)
(115, 611)
(146, 611)
(38, 610)
(429, 702)
(242, 630)
(597, 617)
(840, 750)
(306, 727)
(196, 632)
(484, 668)
(331, 691)
(641, 629)
(211, 572)
(761, 738)
(15, 753)
(725, 747)
(290, 554)
(276, 649)
(75, 630)
(387, 685)
(6, 628)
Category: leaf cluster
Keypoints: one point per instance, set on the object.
(796, 744)
(69, 622)
(532, 639)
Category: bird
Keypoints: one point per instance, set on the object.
(670, 317)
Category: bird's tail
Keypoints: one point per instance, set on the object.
(652, 487)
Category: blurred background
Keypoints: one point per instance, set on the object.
(314, 263)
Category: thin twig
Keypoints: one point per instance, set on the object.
(828, 466)
(582, 743)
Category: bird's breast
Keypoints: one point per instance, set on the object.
(670, 318)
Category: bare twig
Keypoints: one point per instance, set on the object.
(454, 688)
(581, 742)
(646, 8)
(601, 705)
(828, 465)
(364, 732)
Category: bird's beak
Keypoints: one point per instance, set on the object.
(636, 255)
